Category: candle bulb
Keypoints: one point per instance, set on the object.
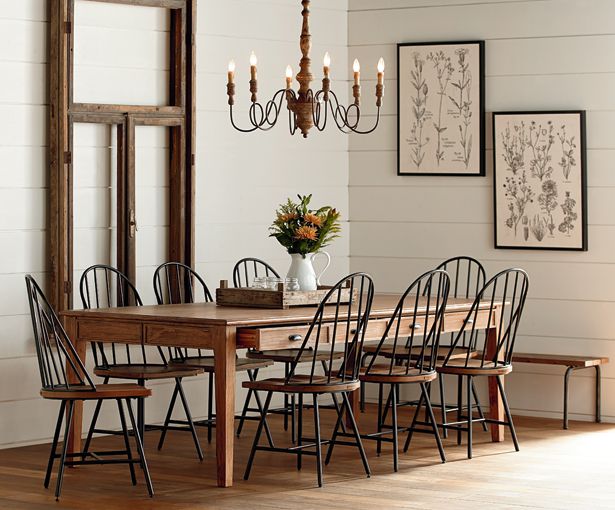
(380, 71)
(231, 71)
(356, 89)
(326, 64)
(289, 77)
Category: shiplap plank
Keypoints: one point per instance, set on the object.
(375, 5)
(23, 167)
(483, 21)
(23, 41)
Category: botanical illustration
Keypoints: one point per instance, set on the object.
(537, 206)
(440, 109)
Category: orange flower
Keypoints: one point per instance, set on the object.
(306, 232)
(313, 219)
(287, 217)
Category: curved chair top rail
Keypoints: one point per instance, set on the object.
(57, 357)
(176, 283)
(249, 268)
(347, 331)
(415, 338)
(505, 294)
(467, 276)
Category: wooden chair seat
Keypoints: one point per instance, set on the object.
(103, 391)
(382, 373)
(147, 372)
(206, 363)
(402, 352)
(289, 355)
(301, 384)
(473, 367)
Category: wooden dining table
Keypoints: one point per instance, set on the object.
(225, 330)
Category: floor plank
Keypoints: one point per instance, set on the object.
(555, 469)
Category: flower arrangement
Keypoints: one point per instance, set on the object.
(303, 230)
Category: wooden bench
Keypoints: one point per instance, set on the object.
(572, 363)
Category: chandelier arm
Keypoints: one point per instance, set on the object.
(337, 112)
(346, 127)
(316, 111)
(274, 105)
(241, 130)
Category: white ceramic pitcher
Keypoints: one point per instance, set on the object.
(302, 268)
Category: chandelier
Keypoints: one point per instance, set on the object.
(306, 108)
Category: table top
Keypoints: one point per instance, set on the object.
(211, 314)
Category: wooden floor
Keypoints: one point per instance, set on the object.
(555, 469)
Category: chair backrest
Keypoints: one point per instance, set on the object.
(467, 276)
(337, 325)
(57, 357)
(500, 302)
(415, 326)
(176, 283)
(103, 286)
(249, 268)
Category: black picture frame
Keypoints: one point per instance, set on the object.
(581, 189)
(478, 113)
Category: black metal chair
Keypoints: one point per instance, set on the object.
(65, 378)
(103, 286)
(500, 305)
(467, 277)
(244, 273)
(346, 332)
(176, 283)
(412, 341)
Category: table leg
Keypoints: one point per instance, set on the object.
(496, 407)
(224, 356)
(74, 435)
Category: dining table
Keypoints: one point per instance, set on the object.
(227, 329)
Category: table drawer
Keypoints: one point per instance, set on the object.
(110, 331)
(454, 321)
(284, 337)
(178, 336)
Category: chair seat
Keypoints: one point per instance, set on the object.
(301, 384)
(382, 373)
(473, 367)
(149, 371)
(402, 352)
(103, 391)
(289, 355)
(206, 363)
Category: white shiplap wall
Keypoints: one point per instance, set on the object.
(240, 178)
(540, 54)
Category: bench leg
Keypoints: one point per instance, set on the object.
(598, 394)
(569, 370)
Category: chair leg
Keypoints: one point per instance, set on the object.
(442, 404)
(336, 403)
(357, 436)
(69, 419)
(54, 445)
(135, 428)
(246, 405)
(318, 444)
(163, 433)
(286, 370)
(131, 466)
(395, 437)
(195, 437)
(434, 425)
(469, 398)
(511, 426)
(336, 429)
(292, 418)
(141, 413)
(299, 430)
(88, 439)
(210, 406)
(481, 415)
(257, 436)
(414, 420)
(362, 387)
(378, 441)
(459, 404)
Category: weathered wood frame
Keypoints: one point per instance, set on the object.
(179, 116)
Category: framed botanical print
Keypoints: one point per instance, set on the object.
(440, 108)
(540, 182)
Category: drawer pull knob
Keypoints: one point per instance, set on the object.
(295, 338)
(415, 326)
(470, 321)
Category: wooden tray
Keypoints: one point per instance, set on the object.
(280, 298)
